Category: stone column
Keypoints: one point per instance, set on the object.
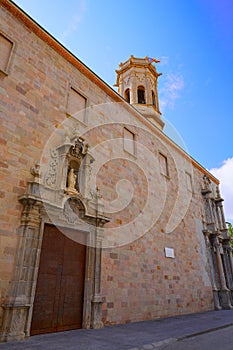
(133, 90)
(156, 95)
(17, 310)
(228, 262)
(213, 270)
(227, 251)
(148, 90)
(85, 175)
(210, 232)
(220, 210)
(97, 300)
(93, 298)
(121, 86)
(210, 221)
(63, 151)
(218, 217)
(88, 292)
(224, 293)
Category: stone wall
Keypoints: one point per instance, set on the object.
(33, 104)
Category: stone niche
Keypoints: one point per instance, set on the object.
(69, 172)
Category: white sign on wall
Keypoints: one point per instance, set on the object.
(169, 252)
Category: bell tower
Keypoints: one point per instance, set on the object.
(137, 82)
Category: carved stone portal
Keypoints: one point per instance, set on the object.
(55, 195)
(218, 247)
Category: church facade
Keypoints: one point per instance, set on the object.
(104, 219)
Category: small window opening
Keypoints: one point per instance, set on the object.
(129, 141)
(163, 165)
(76, 105)
(5, 52)
(189, 182)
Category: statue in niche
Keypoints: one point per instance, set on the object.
(75, 157)
(71, 181)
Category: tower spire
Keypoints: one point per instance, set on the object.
(137, 82)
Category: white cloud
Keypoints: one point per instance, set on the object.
(225, 174)
(75, 20)
(173, 84)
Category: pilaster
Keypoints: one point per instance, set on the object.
(17, 310)
(213, 270)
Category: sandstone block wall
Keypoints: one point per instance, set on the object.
(148, 210)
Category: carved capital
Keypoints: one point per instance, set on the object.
(31, 210)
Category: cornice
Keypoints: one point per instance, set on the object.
(128, 68)
(204, 171)
(58, 47)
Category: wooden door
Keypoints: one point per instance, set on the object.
(58, 301)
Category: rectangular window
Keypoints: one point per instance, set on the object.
(189, 182)
(129, 141)
(77, 105)
(5, 52)
(163, 164)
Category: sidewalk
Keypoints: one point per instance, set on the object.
(134, 336)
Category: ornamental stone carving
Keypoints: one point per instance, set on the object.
(79, 149)
(73, 211)
(216, 241)
(51, 176)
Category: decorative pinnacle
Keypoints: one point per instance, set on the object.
(218, 192)
(207, 182)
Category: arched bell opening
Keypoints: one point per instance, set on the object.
(141, 94)
(127, 95)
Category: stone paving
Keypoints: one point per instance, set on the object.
(155, 334)
(156, 345)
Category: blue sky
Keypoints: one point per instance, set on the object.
(192, 38)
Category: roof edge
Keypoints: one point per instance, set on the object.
(37, 29)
